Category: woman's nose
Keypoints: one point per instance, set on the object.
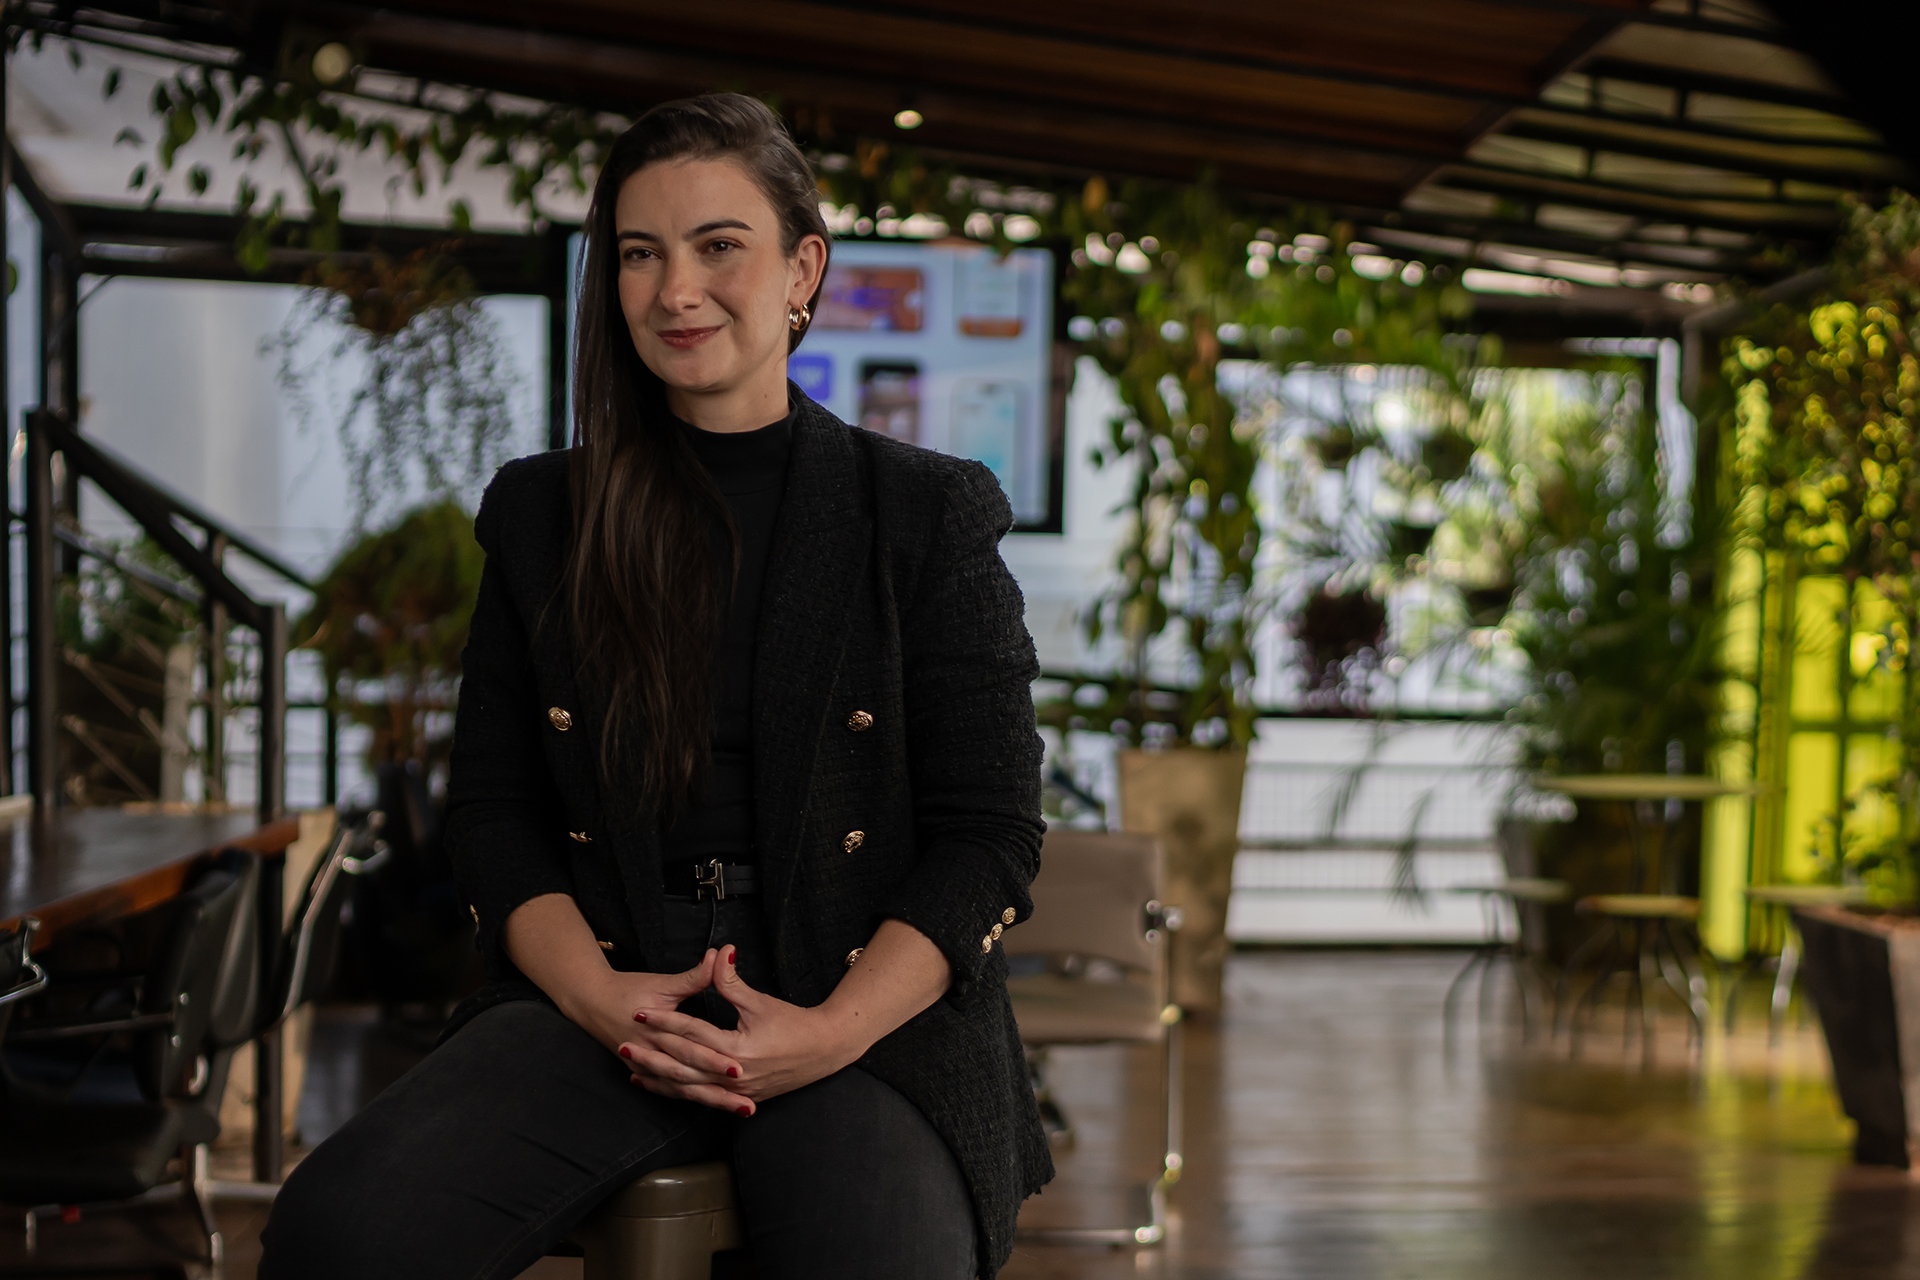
(680, 286)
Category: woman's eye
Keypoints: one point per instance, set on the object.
(637, 254)
(722, 246)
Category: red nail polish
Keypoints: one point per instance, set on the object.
(745, 1111)
(734, 1072)
(732, 952)
(639, 1017)
(626, 1052)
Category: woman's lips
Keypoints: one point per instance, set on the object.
(684, 339)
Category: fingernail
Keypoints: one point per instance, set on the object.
(745, 1111)
(625, 1052)
(731, 953)
(639, 1017)
(734, 1072)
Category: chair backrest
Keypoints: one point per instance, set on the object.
(206, 973)
(20, 977)
(312, 941)
(1092, 898)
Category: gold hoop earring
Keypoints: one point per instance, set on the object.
(801, 318)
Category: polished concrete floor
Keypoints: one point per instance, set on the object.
(1335, 1131)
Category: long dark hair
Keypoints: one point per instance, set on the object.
(642, 590)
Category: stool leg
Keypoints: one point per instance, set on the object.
(1474, 961)
(1564, 987)
(1783, 986)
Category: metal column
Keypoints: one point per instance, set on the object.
(42, 705)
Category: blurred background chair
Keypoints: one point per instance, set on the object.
(1092, 966)
(97, 1100)
(1518, 900)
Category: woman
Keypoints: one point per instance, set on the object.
(745, 790)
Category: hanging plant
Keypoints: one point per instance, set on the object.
(433, 408)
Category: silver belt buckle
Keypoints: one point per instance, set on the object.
(712, 876)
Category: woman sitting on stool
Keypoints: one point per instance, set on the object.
(745, 788)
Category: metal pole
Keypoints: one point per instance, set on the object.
(272, 734)
(42, 704)
(330, 784)
(271, 755)
(269, 1049)
(216, 616)
(559, 301)
(8, 783)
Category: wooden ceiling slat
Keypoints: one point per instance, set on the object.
(548, 63)
(1461, 48)
(909, 56)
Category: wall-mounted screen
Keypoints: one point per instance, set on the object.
(946, 346)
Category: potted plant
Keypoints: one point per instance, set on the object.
(389, 621)
(1824, 452)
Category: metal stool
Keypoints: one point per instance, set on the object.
(1656, 951)
(1518, 951)
(665, 1225)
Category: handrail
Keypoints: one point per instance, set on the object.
(154, 510)
(105, 468)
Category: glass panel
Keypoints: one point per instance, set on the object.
(1816, 650)
(1806, 845)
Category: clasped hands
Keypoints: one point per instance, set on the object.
(777, 1048)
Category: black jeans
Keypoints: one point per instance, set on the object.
(487, 1153)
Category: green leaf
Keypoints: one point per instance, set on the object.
(111, 85)
(461, 215)
(198, 178)
(138, 178)
(129, 138)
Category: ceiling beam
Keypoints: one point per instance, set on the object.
(1677, 153)
(1697, 212)
(1705, 128)
(1625, 14)
(1520, 235)
(1689, 81)
(1638, 188)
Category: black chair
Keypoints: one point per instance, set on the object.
(20, 977)
(89, 1139)
(101, 1124)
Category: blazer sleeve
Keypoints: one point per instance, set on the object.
(502, 824)
(973, 749)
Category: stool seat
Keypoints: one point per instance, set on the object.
(1808, 895)
(1640, 906)
(664, 1225)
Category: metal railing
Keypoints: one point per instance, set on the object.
(161, 516)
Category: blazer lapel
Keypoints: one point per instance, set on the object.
(822, 540)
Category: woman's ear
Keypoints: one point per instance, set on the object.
(809, 261)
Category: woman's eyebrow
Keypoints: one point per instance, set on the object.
(718, 224)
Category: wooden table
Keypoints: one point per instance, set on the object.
(83, 867)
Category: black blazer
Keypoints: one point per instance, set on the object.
(886, 595)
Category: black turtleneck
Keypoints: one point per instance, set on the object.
(750, 470)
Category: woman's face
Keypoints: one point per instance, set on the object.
(704, 284)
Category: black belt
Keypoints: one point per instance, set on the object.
(713, 878)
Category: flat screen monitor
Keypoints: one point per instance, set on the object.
(946, 346)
